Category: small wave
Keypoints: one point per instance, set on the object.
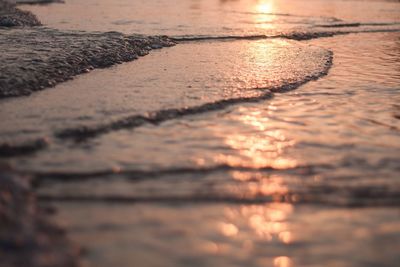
(357, 24)
(84, 132)
(27, 147)
(263, 13)
(40, 177)
(380, 123)
(327, 195)
(277, 14)
(186, 38)
(297, 36)
(39, 2)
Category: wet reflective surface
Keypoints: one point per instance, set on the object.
(235, 235)
(321, 138)
(242, 171)
(213, 17)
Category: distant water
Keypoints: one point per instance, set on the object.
(278, 149)
(214, 17)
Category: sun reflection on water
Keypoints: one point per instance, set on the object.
(283, 261)
(255, 225)
(264, 14)
(264, 6)
(229, 229)
(267, 221)
(257, 184)
(258, 146)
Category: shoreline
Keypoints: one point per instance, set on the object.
(62, 55)
(28, 67)
(11, 16)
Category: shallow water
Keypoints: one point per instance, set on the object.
(201, 155)
(234, 235)
(184, 76)
(335, 133)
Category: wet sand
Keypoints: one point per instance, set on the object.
(10, 16)
(28, 66)
(27, 238)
